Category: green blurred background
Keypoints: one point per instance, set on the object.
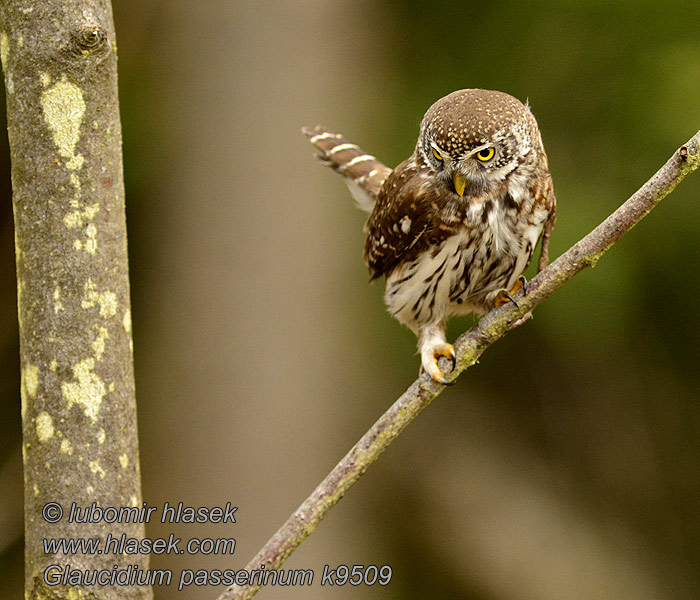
(566, 464)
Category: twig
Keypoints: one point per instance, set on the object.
(469, 347)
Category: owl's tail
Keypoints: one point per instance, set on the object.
(363, 173)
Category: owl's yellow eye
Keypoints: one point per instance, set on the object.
(486, 154)
(436, 154)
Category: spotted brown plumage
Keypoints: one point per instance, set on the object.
(453, 227)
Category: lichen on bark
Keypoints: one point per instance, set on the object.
(78, 402)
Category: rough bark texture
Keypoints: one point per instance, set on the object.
(469, 348)
(78, 404)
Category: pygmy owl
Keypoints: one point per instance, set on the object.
(453, 227)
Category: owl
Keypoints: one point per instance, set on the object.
(453, 227)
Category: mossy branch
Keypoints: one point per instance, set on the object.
(469, 348)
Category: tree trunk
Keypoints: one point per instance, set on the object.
(78, 404)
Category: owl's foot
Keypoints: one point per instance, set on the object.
(507, 296)
(429, 361)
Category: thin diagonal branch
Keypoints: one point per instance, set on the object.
(469, 347)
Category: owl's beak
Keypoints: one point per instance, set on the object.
(460, 182)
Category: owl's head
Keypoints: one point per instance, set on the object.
(474, 139)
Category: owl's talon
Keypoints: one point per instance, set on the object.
(430, 362)
(507, 295)
(504, 297)
(523, 284)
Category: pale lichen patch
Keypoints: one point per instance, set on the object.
(96, 468)
(91, 211)
(126, 321)
(76, 218)
(99, 344)
(75, 593)
(66, 447)
(75, 182)
(29, 386)
(91, 242)
(57, 304)
(19, 298)
(54, 365)
(88, 389)
(35, 489)
(72, 219)
(31, 379)
(64, 108)
(4, 51)
(101, 437)
(90, 490)
(124, 461)
(44, 426)
(134, 501)
(107, 300)
(5, 58)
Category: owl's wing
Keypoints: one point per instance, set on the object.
(405, 222)
(543, 193)
(363, 174)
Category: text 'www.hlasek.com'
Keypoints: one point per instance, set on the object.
(115, 548)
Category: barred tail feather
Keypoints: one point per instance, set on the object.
(363, 173)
